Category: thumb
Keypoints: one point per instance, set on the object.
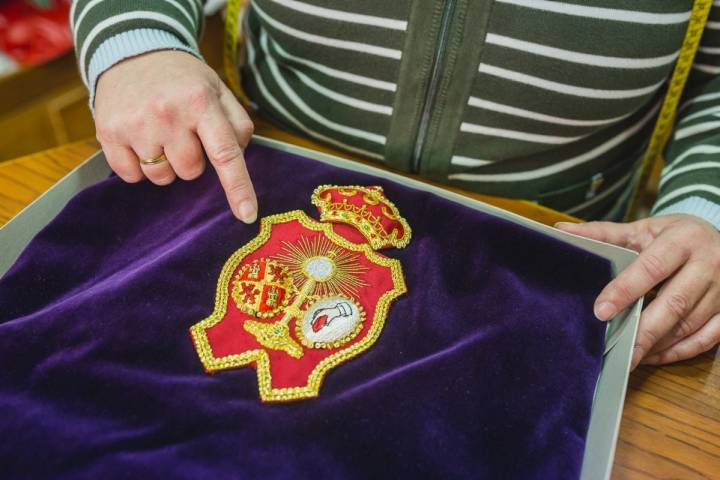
(608, 232)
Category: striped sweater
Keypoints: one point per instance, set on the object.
(552, 101)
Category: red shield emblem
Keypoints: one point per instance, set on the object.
(301, 298)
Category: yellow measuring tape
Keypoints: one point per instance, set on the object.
(664, 125)
(230, 56)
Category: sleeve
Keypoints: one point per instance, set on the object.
(106, 32)
(690, 181)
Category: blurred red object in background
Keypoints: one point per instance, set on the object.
(31, 34)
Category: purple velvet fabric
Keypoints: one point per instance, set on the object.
(485, 369)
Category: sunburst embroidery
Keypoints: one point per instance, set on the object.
(333, 270)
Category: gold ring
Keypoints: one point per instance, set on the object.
(154, 161)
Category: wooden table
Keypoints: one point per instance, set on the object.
(671, 422)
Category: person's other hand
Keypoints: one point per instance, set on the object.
(680, 254)
(170, 102)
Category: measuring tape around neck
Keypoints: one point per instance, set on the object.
(666, 119)
(230, 48)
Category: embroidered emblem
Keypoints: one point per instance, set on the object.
(305, 296)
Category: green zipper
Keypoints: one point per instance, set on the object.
(432, 89)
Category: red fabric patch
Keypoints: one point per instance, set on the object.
(33, 35)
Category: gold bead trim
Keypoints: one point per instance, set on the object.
(259, 356)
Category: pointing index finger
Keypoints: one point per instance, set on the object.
(227, 157)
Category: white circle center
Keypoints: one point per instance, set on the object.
(319, 269)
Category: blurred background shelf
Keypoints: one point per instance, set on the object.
(45, 106)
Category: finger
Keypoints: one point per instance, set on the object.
(656, 263)
(609, 232)
(185, 156)
(708, 305)
(124, 162)
(678, 298)
(701, 341)
(226, 156)
(237, 116)
(160, 173)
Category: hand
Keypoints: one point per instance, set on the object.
(325, 316)
(683, 253)
(170, 102)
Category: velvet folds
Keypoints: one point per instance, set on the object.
(485, 368)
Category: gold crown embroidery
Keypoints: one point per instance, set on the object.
(370, 223)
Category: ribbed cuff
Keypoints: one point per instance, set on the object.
(698, 206)
(130, 44)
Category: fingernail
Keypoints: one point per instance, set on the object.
(604, 311)
(248, 213)
(562, 224)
